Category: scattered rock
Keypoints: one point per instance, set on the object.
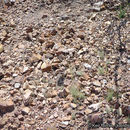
(51, 94)
(108, 109)
(45, 67)
(27, 93)
(36, 58)
(12, 23)
(64, 93)
(6, 105)
(95, 107)
(73, 105)
(96, 119)
(67, 118)
(3, 121)
(65, 122)
(97, 83)
(1, 75)
(1, 48)
(126, 110)
(87, 66)
(21, 118)
(60, 81)
(25, 110)
(88, 111)
(17, 85)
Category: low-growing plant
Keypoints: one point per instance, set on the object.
(73, 116)
(128, 119)
(122, 12)
(101, 70)
(110, 95)
(101, 54)
(79, 73)
(76, 94)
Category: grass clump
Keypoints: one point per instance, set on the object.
(122, 12)
(76, 94)
(101, 70)
(128, 119)
(73, 116)
(101, 54)
(110, 95)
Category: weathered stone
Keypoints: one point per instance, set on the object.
(97, 83)
(25, 110)
(3, 121)
(73, 105)
(6, 105)
(96, 119)
(27, 94)
(88, 111)
(17, 85)
(1, 47)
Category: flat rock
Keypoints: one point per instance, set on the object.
(27, 94)
(97, 83)
(95, 107)
(73, 105)
(88, 111)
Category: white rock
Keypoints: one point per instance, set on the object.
(86, 65)
(15, 75)
(100, 3)
(51, 117)
(43, 102)
(25, 69)
(17, 85)
(65, 122)
(27, 94)
(73, 105)
(95, 107)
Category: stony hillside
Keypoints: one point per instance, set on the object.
(64, 65)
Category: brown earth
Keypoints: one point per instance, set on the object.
(64, 65)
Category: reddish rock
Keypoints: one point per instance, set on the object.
(6, 106)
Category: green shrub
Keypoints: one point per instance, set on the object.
(110, 95)
(76, 94)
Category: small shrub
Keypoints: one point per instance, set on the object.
(101, 54)
(101, 70)
(76, 94)
(128, 119)
(110, 95)
(122, 12)
(73, 116)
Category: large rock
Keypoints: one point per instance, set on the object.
(6, 105)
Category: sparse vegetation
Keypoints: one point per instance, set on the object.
(101, 70)
(122, 12)
(76, 94)
(123, 9)
(101, 54)
(128, 119)
(110, 95)
(73, 116)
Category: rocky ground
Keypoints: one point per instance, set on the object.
(64, 65)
